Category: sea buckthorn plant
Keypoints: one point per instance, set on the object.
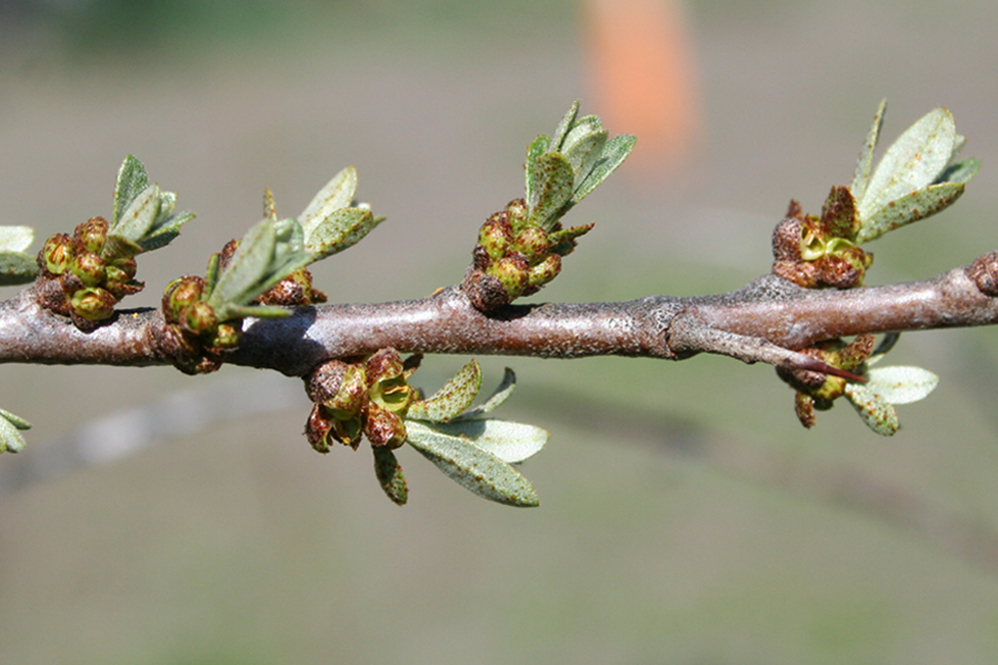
(255, 305)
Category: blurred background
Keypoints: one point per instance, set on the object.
(685, 517)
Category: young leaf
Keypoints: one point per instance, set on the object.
(341, 229)
(566, 124)
(17, 268)
(16, 238)
(902, 385)
(614, 153)
(917, 205)
(139, 216)
(165, 231)
(247, 267)
(914, 161)
(531, 174)
(132, 179)
(337, 193)
(456, 396)
(472, 467)
(11, 440)
(584, 153)
(875, 411)
(501, 394)
(554, 184)
(510, 442)
(862, 175)
(389, 473)
(960, 172)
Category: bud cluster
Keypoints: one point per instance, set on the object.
(82, 277)
(817, 252)
(368, 398)
(514, 257)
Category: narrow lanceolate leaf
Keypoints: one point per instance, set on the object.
(584, 153)
(862, 175)
(389, 473)
(875, 411)
(16, 238)
(960, 171)
(11, 440)
(132, 179)
(15, 420)
(913, 162)
(456, 396)
(910, 208)
(566, 124)
(902, 385)
(165, 231)
(473, 468)
(17, 268)
(337, 193)
(501, 394)
(614, 153)
(510, 442)
(536, 149)
(341, 229)
(139, 216)
(555, 182)
(247, 267)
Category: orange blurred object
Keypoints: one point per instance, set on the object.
(641, 72)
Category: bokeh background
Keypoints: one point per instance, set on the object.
(686, 516)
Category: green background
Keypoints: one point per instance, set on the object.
(685, 517)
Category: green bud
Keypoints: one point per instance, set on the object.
(56, 254)
(89, 268)
(545, 271)
(180, 294)
(127, 265)
(93, 304)
(517, 213)
(92, 234)
(340, 387)
(512, 272)
(227, 336)
(495, 235)
(199, 318)
(532, 242)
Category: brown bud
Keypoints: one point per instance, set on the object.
(984, 273)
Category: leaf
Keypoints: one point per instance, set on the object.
(614, 153)
(584, 153)
(17, 268)
(336, 194)
(132, 179)
(534, 151)
(139, 216)
(456, 396)
(911, 208)
(501, 394)
(861, 177)
(11, 440)
(838, 214)
(875, 411)
(566, 124)
(389, 473)
(229, 311)
(914, 161)
(165, 231)
(472, 467)
(555, 182)
(960, 171)
(902, 385)
(343, 228)
(247, 267)
(16, 238)
(15, 420)
(510, 442)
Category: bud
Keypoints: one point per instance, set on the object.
(495, 235)
(545, 271)
(93, 304)
(384, 428)
(340, 387)
(512, 273)
(389, 387)
(199, 318)
(127, 265)
(89, 268)
(92, 234)
(317, 430)
(56, 254)
(517, 213)
(227, 336)
(532, 242)
(180, 294)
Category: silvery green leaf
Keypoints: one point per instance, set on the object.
(862, 175)
(336, 194)
(910, 208)
(11, 440)
(248, 266)
(510, 442)
(117, 247)
(341, 229)
(139, 216)
(615, 152)
(885, 346)
(501, 394)
(269, 208)
(17, 268)
(566, 124)
(875, 411)
(902, 385)
(389, 473)
(914, 161)
(456, 396)
(132, 179)
(582, 128)
(960, 171)
(536, 149)
(584, 153)
(229, 311)
(472, 467)
(16, 238)
(165, 231)
(554, 183)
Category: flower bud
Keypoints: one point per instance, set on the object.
(384, 428)
(127, 265)
(93, 304)
(56, 254)
(317, 430)
(199, 318)
(512, 273)
(532, 242)
(495, 235)
(89, 268)
(545, 271)
(92, 234)
(517, 213)
(180, 294)
(227, 336)
(340, 387)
